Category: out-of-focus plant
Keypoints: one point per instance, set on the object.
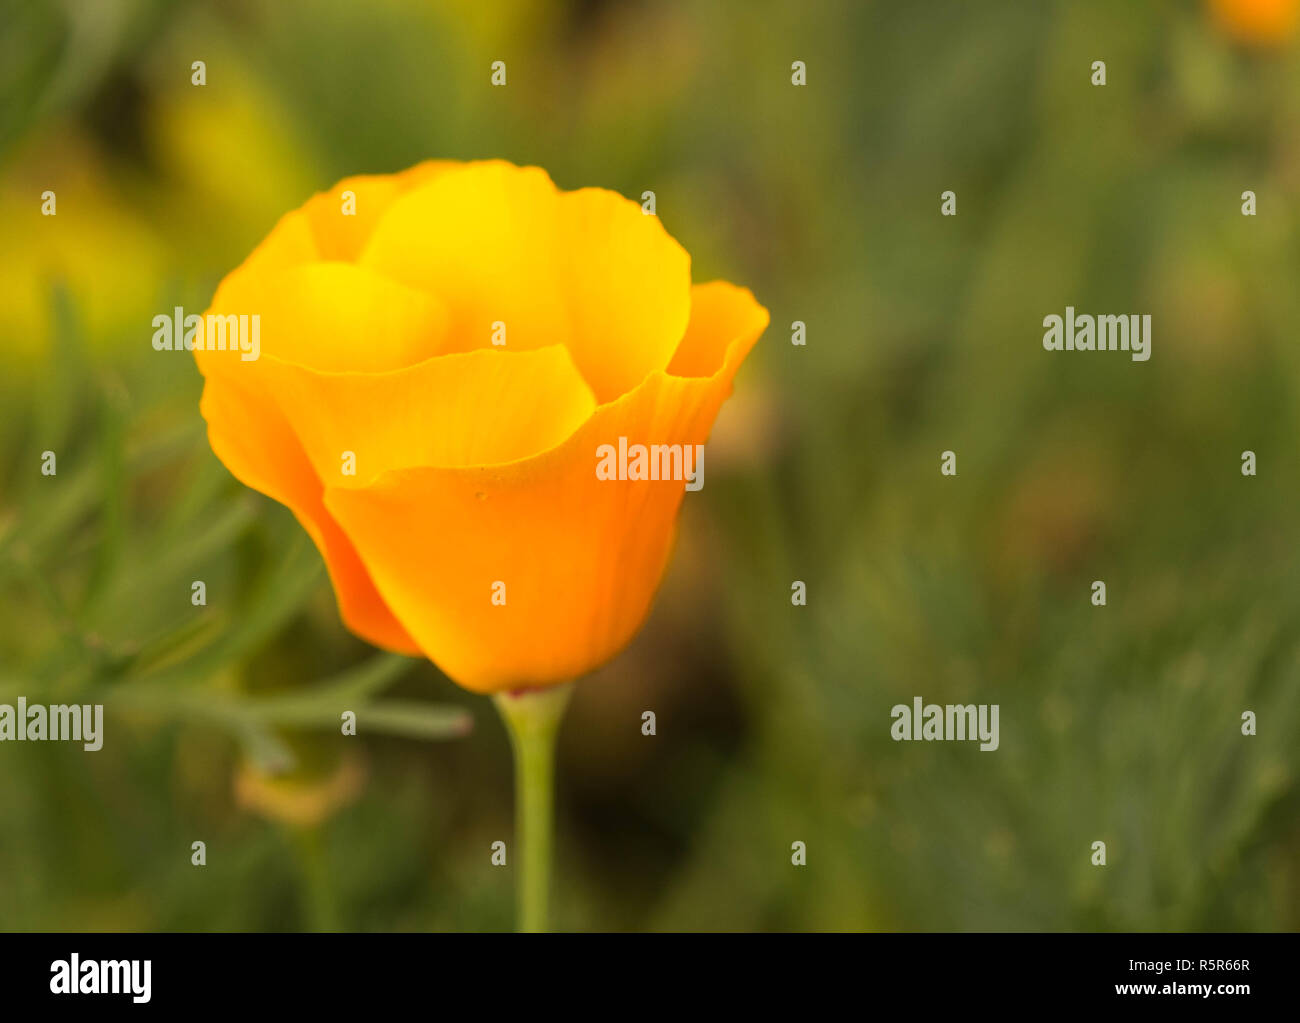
(99, 563)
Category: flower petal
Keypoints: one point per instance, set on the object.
(628, 286)
(475, 408)
(290, 243)
(500, 244)
(341, 236)
(253, 441)
(580, 557)
(721, 314)
(333, 317)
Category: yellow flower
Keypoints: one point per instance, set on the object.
(1259, 22)
(299, 800)
(110, 296)
(450, 480)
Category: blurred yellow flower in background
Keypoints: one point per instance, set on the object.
(443, 351)
(67, 249)
(190, 131)
(300, 799)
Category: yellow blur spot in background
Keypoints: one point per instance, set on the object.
(67, 249)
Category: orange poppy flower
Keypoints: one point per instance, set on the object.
(1259, 22)
(435, 374)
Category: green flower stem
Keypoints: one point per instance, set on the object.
(532, 718)
(322, 910)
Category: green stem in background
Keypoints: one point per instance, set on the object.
(322, 911)
(532, 718)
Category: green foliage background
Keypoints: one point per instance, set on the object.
(1118, 724)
